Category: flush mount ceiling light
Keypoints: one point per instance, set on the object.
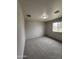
(44, 16)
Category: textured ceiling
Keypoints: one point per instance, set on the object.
(36, 8)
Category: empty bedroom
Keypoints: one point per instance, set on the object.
(42, 28)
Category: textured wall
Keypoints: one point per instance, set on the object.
(34, 29)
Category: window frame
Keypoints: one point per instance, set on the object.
(57, 26)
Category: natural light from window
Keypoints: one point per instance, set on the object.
(57, 27)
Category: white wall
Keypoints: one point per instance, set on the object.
(20, 32)
(34, 29)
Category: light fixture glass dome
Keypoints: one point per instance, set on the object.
(44, 16)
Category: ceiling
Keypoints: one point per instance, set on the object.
(36, 8)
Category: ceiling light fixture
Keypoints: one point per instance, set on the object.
(44, 16)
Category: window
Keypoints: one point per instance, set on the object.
(57, 27)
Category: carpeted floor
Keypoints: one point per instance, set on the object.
(42, 48)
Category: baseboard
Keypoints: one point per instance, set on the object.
(54, 39)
